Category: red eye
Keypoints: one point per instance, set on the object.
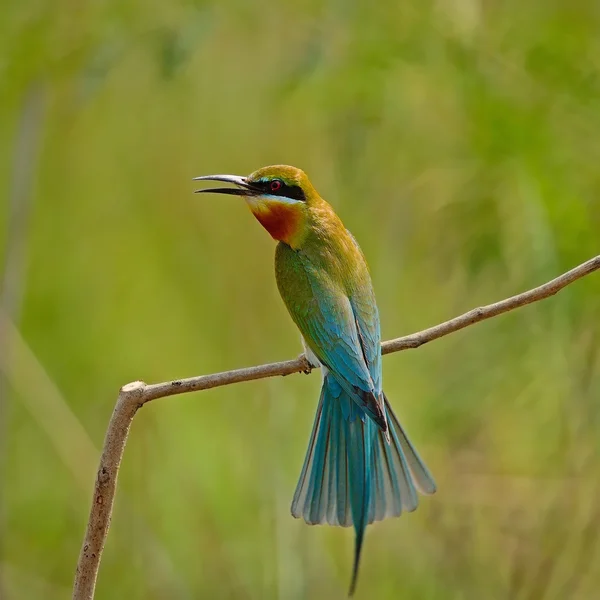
(275, 185)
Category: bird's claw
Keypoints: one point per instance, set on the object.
(309, 366)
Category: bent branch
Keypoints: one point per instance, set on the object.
(134, 395)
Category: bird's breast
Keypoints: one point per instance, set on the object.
(282, 220)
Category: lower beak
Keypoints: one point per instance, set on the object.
(243, 188)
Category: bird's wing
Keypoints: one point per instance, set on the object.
(326, 318)
(366, 315)
(364, 307)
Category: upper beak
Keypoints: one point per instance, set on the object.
(243, 189)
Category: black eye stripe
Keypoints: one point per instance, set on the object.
(289, 191)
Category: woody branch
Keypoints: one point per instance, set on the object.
(133, 396)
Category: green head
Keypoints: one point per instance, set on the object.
(279, 196)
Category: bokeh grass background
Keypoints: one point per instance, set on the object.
(460, 142)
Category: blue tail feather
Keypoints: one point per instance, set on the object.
(361, 435)
(351, 474)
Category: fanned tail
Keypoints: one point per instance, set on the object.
(351, 474)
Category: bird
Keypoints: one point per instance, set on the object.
(360, 466)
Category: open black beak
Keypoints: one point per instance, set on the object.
(243, 189)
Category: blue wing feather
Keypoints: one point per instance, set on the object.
(364, 309)
(344, 340)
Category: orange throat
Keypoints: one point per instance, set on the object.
(282, 220)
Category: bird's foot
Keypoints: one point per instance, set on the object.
(309, 364)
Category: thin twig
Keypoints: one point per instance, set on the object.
(134, 395)
(42, 399)
(492, 310)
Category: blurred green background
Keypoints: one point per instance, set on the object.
(459, 141)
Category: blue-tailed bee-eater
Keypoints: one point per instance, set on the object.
(360, 466)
